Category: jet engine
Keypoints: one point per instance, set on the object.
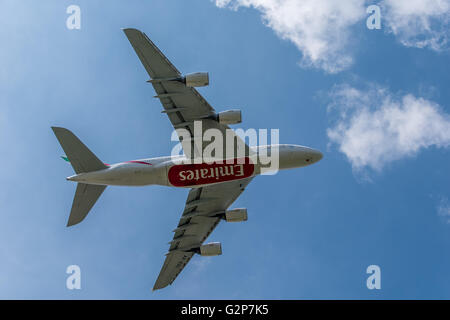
(211, 249)
(229, 117)
(236, 215)
(198, 79)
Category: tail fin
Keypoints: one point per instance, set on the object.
(82, 160)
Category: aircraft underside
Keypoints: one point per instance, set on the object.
(174, 172)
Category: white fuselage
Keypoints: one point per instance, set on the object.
(173, 170)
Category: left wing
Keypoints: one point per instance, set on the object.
(197, 222)
(183, 105)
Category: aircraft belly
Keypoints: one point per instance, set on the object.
(126, 175)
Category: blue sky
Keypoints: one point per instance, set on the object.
(380, 195)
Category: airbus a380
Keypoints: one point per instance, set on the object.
(214, 185)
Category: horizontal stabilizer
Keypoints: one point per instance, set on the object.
(85, 198)
(80, 157)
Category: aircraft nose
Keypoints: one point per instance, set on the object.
(317, 155)
(313, 156)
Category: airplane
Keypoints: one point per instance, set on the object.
(214, 185)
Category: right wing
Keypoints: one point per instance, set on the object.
(196, 224)
(183, 105)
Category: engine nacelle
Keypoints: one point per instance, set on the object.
(236, 215)
(211, 249)
(198, 79)
(229, 117)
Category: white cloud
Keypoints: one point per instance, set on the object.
(375, 128)
(444, 209)
(320, 29)
(419, 23)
